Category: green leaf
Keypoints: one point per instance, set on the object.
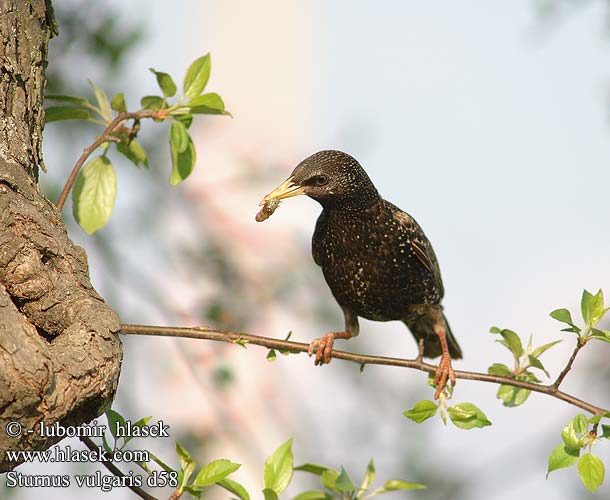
(197, 76)
(329, 479)
(600, 334)
(106, 445)
(494, 329)
(463, 411)
(505, 393)
(585, 306)
(185, 118)
(592, 307)
(234, 487)
(580, 424)
(570, 439)
(528, 376)
(115, 421)
(214, 472)
(422, 411)
(160, 462)
(269, 494)
(178, 136)
(187, 464)
(606, 431)
(512, 396)
(344, 483)
(560, 458)
(207, 104)
(512, 342)
(499, 369)
(94, 194)
(316, 469)
(166, 84)
(140, 423)
(193, 491)
(313, 495)
(271, 355)
(562, 315)
(536, 363)
(118, 103)
(596, 418)
(241, 342)
(467, 416)
(102, 102)
(369, 476)
(278, 468)
(528, 348)
(145, 467)
(539, 350)
(597, 307)
(520, 397)
(151, 102)
(182, 163)
(183, 455)
(80, 101)
(399, 484)
(57, 113)
(591, 471)
(133, 151)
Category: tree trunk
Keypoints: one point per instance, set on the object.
(60, 356)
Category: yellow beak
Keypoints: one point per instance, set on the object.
(285, 190)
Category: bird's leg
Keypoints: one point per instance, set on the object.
(323, 346)
(421, 345)
(444, 370)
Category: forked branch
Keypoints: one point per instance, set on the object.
(105, 136)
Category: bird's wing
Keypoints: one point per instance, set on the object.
(419, 243)
(317, 242)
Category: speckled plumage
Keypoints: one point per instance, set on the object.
(375, 258)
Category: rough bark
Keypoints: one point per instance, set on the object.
(60, 356)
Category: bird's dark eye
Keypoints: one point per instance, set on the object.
(320, 180)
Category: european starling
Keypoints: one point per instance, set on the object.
(376, 259)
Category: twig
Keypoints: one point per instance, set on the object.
(568, 367)
(175, 495)
(116, 471)
(361, 359)
(105, 136)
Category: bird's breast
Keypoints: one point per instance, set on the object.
(369, 266)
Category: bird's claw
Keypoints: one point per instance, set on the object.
(443, 372)
(323, 347)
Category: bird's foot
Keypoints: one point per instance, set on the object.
(323, 347)
(443, 372)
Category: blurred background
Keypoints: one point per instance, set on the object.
(486, 121)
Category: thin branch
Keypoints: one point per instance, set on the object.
(115, 470)
(361, 359)
(105, 136)
(175, 495)
(568, 367)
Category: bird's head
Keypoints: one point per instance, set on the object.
(329, 177)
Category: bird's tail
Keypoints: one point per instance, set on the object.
(422, 327)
